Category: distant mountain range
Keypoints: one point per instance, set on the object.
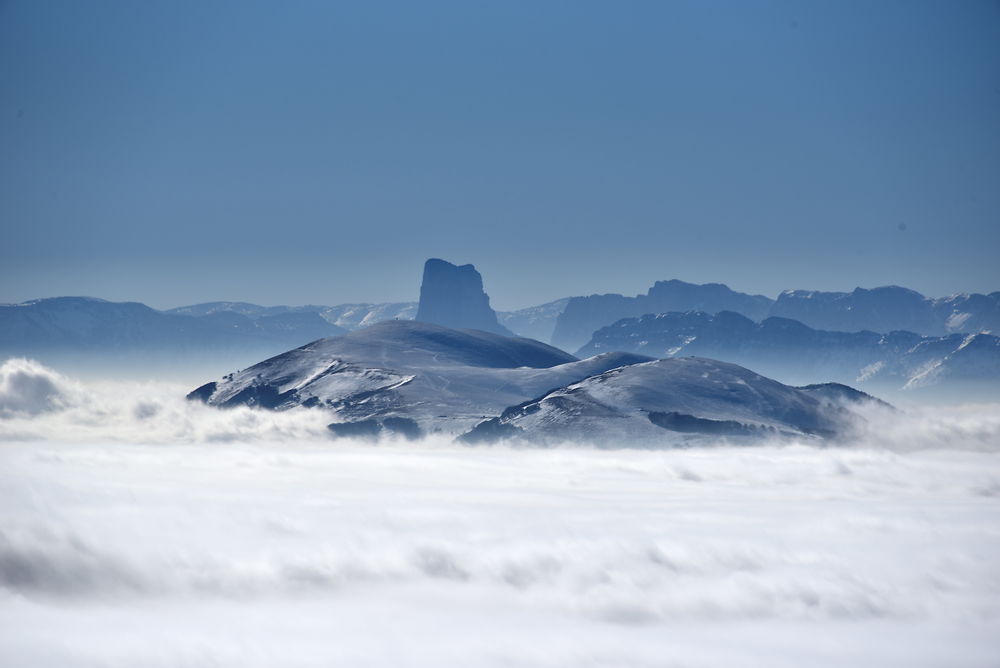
(883, 309)
(345, 316)
(99, 331)
(889, 309)
(570, 322)
(786, 349)
(886, 338)
(584, 315)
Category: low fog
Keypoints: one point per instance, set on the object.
(137, 528)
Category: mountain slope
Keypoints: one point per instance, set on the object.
(668, 402)
(439, 378)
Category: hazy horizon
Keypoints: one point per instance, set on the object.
(415, 297)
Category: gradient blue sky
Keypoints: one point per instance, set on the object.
(318, 152)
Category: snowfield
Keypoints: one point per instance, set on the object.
(137, 529)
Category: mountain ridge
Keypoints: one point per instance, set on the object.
(794, 352)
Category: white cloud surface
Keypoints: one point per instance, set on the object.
(139, 529)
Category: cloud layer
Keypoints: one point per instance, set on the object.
(140, 529)
(38, 403)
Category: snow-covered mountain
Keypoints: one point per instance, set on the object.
(890, 308)
(415, 378)
(790, 351)
(438, 379)
(974, 365)
(346, 316)
(673, 401)
(355, 316)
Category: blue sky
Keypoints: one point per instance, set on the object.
(304, 152)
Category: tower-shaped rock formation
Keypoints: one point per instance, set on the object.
(453, 296)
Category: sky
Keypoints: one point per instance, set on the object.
(315, 152)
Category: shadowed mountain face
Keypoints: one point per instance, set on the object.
(584, 315)
(453, 296)
(788, 350)
(885, 309)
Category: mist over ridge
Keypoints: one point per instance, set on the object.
(40, 404)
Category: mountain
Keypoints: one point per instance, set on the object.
(584, 315)
(346, 316)
(890, 308)
(453, 296)
(793, 352)
(534, 322)
(969, 312)
(355, 316)
(97, 330)
(974, 364)
(673, 401)
(412, 378)
(242, 308)
(432, 378)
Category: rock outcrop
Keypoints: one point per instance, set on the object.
(453, 296)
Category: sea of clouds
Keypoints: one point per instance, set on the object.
(137, 528)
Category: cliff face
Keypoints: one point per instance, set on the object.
(453, 296)
(890, 308)
(584, 315)
(885, 309)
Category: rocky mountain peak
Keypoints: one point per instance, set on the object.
(453, 296)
